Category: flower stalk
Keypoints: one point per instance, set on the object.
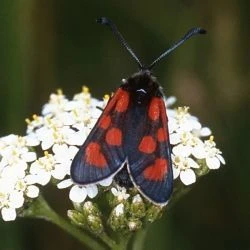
(40, 209)
(139, 239)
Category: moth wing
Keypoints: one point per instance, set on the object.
(150, 165)
(102, 154)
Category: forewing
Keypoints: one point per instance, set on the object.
(150, 164)
(102, 153)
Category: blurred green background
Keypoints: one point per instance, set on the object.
(49, 44)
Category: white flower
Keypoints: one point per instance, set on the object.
(8, 213)
(56, 104)
(180, 119)
(64, 184)
(182, 166)
(37, 122)
(56, 166)
(106, 182)
(16, 199)
(119, 210)
(63, 156)
(187, 144)
(79, 193)
(203, 132)
(14, 152)
(213, 155)
(32, 191)
(44, 168)
(170, 101)
(57, 135)
(137, 199)
(92, 190)
(120, 193)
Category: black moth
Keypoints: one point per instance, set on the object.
(130, 139)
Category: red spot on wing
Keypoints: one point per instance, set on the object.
(113, 100)
(154, 109)
(163, 113)
(123, 101)
(118, 102)
(147, 145)
(104, 122)
(157, 171)
(114, 137)
(94, 156)
(162, 135)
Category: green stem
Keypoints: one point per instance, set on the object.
(39, 208)
(123, 243)
(139, 239)
(106, 239)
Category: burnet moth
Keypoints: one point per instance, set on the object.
(130, 140)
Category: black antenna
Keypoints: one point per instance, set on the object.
(106, 21)
(190, 33)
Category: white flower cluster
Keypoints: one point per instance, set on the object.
(16, 180)
(189, 149)
(62, 128)
(63, 125)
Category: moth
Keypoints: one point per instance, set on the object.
(131, 136)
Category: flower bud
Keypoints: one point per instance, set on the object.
(153, 213)
(76, 217)
(137, 208)
(117, 219)
(118, 195)
(95, 224)
(203, 169)
(134, 225)
(90, 208)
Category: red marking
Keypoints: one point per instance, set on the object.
(161, 135)
(123, 101)
(112, 101)
(119, 100)
(114, 137)
(163, 112)
(147, 145)
(164, 120)
(154, 109)
(94, 156)
(105, 122)
(156, 172)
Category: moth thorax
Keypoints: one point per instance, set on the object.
(142, 87)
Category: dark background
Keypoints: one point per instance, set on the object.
(49, 44)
